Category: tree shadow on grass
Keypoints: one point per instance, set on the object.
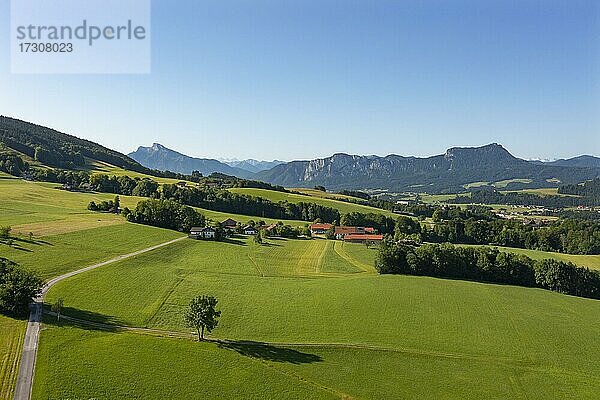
(233, 240)
(82, 319)
(269, 244)
(16, 242)
(269, 352)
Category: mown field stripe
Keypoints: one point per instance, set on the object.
(9, 365)
(26, 372)
(339, 249)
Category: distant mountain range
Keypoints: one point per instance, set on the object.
(159, 157)
(458, 168)
(580, 161)
(251, 165)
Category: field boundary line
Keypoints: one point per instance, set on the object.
(359, 346)
(523, 364)
(166, 296)
(342, 253)
(262, 274)
(24, 385)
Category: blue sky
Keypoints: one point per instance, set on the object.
(305, 79)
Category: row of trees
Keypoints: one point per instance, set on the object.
(165, 214)
(226, 201)
(487, 265)
(380, 222)
(526, 199)
(564, 236)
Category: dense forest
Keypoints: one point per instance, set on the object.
(588, 189)
(57, 149)
(487, 265)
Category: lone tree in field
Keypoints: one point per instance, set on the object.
(57, 308)
(201, 314)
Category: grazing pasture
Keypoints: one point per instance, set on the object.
(305, 318)
(326, 195)
(58, 254)
(12, 332)
(44, 209)
(82, 364)
(508, 341)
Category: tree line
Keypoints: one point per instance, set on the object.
(18, 286)
(380, 222)
(165, 214)
(487, 265)
(226, 201)
(565, 236)
(525, 199)
(589, 189)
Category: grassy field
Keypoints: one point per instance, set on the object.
(82, 364)
(261, 371)
(43, 209)
(342, 206)
(12, 332)
(335, 329)
(508, 342)
(58, 254)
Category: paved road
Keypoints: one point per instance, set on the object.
(30, 345)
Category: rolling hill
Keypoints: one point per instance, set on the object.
(57, 149)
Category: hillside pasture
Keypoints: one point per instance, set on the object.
(507, 341)
(326, 195)
(58, 254)
(100, 167)
(44, 209)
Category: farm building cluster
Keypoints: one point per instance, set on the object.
(227, 228)
(353, 234)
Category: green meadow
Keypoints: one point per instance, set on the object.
(508, 342)
(325, 195)
(57, 254)
(44, 209)
(12, 332)
(305, 318)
